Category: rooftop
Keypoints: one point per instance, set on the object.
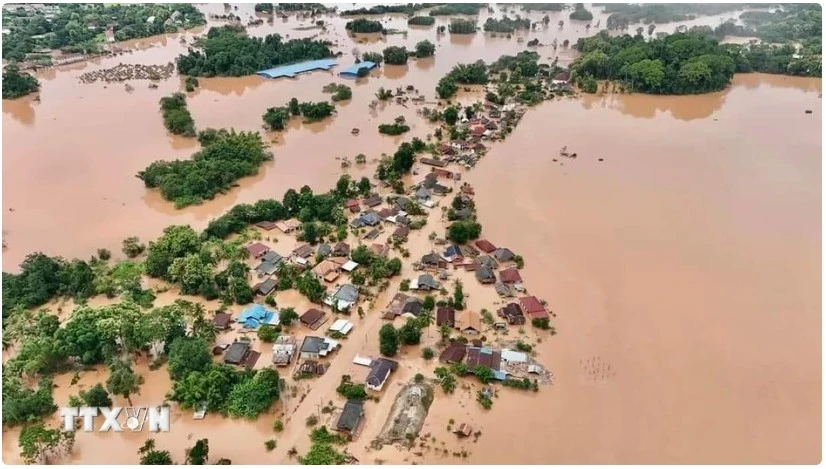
(353, 70)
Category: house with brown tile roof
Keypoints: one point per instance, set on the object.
(445, 316)
(372, 200)
(454, 353)
(483, 356)
(325, 268)
(468, 322)
(510, 276)
(313, 318)
(353, 205)
(288, 226)
(401, 233)
(380, 250)
(257, 250)
(341, 249)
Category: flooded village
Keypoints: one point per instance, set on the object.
(550, 270)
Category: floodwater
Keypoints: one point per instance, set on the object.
(684, 268)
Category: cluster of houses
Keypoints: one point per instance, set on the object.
(504, 363)
(350, 420)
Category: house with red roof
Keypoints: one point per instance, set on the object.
(485, 246)
(532, 306)
(257, 250)
(510, 276)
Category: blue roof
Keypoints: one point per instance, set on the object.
(353, 70)
(301, 67)
(500, 375)
(256, 315)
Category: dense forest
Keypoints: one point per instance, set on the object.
(176, 116)
(228, 51)
(627, 13)
(682, 63)
(79, 27)
(506, 25)
(212, 170)
(17, 83)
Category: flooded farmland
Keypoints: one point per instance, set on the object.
(681, 249)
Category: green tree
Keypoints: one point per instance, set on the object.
(38, 444)
(123, 381)
(276, 118)
(177, 241)
(484, 374)
(310, 287)
(395, 55)
(425, 49)
(96, 396)
(374, 57)
(287, 316)
(132, 247)
(186, 355)
(253, 396)
(17, 83)
(388, 340)
(152, 457)
(321, 454)
(410, 333)
(198, 455)
(463, 231)
(268, 333)
(450, 115)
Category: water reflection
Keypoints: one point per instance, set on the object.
(461, 39)
(226, 86)
(394, 72)
(425, 64)
(20, 109)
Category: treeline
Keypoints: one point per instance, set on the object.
(464, 74)
(580, 13)
(392, 168)
(363, 25)
(543, 6)
(409, 9)
(79, 27)
(176, 116)
(17, 83)
(682, 63)
(458, 9)
(276, 118)
(228, 51)
(627, 13)
(264, 7)
(795, 22)
(340, 92)
(459, 26)
(226, 157)
(506, 25)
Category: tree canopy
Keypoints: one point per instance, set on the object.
(363, 25)
(176, 116)
(229, 51)
(211, 171)
(17, 83)
(395, 55)
(425, 49)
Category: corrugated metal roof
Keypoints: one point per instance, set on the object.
(353, 70)
(294, 69)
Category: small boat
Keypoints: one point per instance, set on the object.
(355, 131)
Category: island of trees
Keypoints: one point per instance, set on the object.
(421, 21)
(80, 27)
(229, 51)
(398, 127)
(395, 55)
(459, 26)
(340, 92)
(176, 116)
(225, 158)
(506, 25)
(17, 83)
(408, 9)
(363, 25)
(276, 118)
(425, 48)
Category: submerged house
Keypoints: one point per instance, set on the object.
(485, 275)
(346, 296)
(380, 370)
(350, 418)
(315, 347)
(313, 318)
(445, 316)
(532, 306)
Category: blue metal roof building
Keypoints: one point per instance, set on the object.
(353, 70)
(292, 70)
(256, 315)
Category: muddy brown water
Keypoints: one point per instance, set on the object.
(687, 261)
